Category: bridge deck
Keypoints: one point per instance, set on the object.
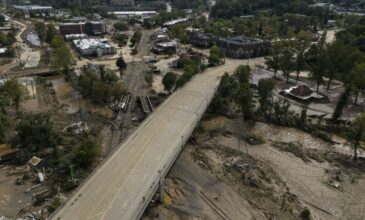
(123, 185)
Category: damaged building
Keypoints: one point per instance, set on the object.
(303, 93)
(162, 44)
(235, 47)
(168, 47)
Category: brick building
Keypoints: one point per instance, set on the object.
(88, 27)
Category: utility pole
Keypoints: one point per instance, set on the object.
(240, 129)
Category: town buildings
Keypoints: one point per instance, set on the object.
(34, 10)
(133, 14)
(235, 47)
(168, 47)
(87, 27)
(92, 47)
(122, 2)
(172, 23)
(69, 37)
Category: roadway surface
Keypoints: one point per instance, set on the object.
(122, 186)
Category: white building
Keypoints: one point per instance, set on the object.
(170, 24)
(3, 52)
(122, 2)
(34, 10)
(89, 47)
(70, 37)
(130, 14)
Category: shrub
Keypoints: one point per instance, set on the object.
(305, 214)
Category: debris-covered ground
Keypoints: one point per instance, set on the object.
(282, 174)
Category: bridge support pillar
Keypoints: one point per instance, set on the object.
(162, 190)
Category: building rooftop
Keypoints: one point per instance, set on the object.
(132, 12)
(3, 50)
(75, 19)
(32, 7)
(75, 36)
(173, 22)
(81, 22)
(85, 44)
(70, 23)
(167, 44)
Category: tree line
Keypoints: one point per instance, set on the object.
(235, 92)
(339, 60)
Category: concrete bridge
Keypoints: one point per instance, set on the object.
(123, 185)
(29, 72)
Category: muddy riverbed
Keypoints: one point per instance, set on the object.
(295, 170)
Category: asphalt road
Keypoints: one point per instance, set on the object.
(122, 186)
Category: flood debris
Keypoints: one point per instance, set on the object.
(19, 170)
(76, 128)
(34, 161)
(245, 169)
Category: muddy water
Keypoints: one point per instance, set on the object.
(283, 134)
(65, 94)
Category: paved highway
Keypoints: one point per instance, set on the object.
(123, 185)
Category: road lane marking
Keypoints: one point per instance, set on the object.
(134, 162)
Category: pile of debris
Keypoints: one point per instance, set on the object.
(77, 128)
(245, 169)
(335, 178)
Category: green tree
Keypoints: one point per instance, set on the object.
(41, 30)
(337, 53)
(243, 72)
(265, 88)
(61, 57)
(121, 63)
(121, 26)
(57, 41)
(36, 132)
(244, 99)
(51, 32)
(299, 62)
(169, 81)
(100, 87)
(286, 62)
(215, 55)
(228, 87)
(107, 76)
(273, 61)
(2, 20)
(341, 104)
(136, 38)
(356, 133)
(14, 91)
(4, 123)
(184, 78)
(178, 31)
(356, 80)
(318, 61)
(87, 152)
